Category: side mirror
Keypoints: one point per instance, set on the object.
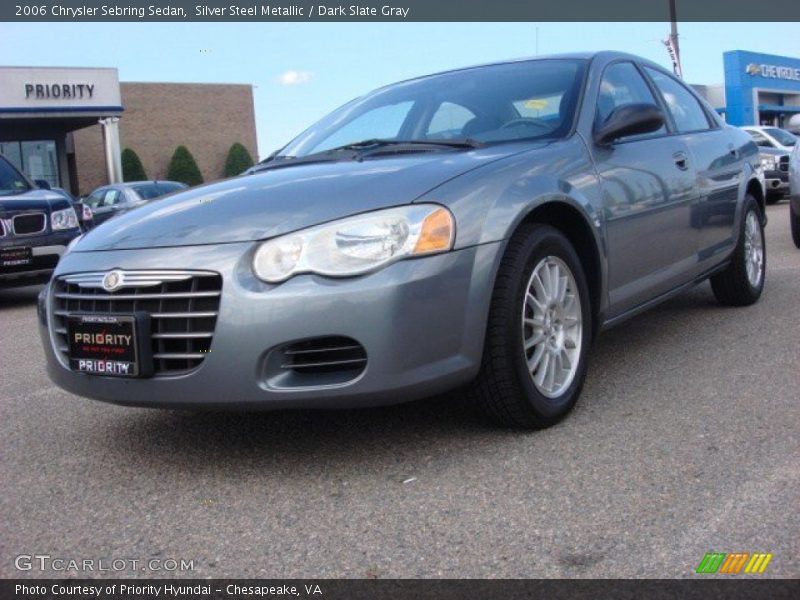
(42, 184)
(630, 119)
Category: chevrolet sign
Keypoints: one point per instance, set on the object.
(773, 72)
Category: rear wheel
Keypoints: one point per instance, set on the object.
(794, 220)
(742, 282)
(538, 333)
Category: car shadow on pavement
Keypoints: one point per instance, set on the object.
(15, 297)
(438, 425)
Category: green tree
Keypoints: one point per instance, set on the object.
(238, 160)
(132, 168)
(183, 168)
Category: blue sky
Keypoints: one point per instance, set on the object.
(303, 70)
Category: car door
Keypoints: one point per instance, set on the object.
(648, 196)
(718, 166)
(109, 204)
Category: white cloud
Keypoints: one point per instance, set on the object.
(294, 77)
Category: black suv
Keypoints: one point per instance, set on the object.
(35, 228)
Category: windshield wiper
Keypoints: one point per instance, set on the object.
(358, 150)
(280, 162)
(382, 142)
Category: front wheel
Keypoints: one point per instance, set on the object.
(538, 333)
(742, 282)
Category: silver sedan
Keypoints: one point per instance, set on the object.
(477, 227)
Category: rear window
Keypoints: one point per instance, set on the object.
(147, 191)
(784, 137)
(167, 187)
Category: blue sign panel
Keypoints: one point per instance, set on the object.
(749, 71)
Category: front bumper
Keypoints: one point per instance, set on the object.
(421, 322)
(46, 249)
(777, 182)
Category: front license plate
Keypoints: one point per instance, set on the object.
(13, 257)
(103, 345)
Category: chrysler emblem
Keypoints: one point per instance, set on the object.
(112, 281)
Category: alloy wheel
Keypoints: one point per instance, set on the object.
(552, 326)
(753, 249)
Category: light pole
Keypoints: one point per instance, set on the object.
(672, 44)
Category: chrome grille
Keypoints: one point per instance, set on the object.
(783, 163)
(183, 308)
(29, 224)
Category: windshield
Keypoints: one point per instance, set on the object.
(11, 182)
(783, 137)
(524, 100)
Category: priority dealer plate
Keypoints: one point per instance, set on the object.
(103, 345)
(13, 257)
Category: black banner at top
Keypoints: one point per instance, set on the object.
(396, 10)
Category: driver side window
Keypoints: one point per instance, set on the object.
(760, 140)
(623, 84)
(111, 198)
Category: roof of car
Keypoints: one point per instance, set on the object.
(126, 184)
(605, 55)
(763, 127)
(149, 181)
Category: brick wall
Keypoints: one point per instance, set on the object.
(158, 117)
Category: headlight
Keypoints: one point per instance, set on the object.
(358, 244)
(64, 219)
(768, 163)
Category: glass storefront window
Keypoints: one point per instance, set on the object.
(13, 153)
(37, 159)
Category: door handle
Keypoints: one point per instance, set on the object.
(681, 160)
(734, 152)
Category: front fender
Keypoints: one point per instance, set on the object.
(750, 174)
(490, 202)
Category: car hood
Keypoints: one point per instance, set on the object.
(33, 200)
(284, 199)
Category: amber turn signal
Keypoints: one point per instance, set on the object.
(437, 234)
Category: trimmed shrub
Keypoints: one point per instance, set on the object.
(132, 168)
(238, 160)
(183, 168)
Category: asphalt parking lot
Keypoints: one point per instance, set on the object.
(686, 440)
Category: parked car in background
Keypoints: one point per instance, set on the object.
(478, 226)
(36, 225)
(772, 137)
(112, 200)
(82, 209)
(794, 194)
(775, 164)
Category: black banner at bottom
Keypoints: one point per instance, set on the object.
(397, 589)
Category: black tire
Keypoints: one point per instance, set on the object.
(732, 286)
(773, 198)
(505, 388)
(794, 221)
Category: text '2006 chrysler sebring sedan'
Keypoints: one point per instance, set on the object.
(476, 227)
